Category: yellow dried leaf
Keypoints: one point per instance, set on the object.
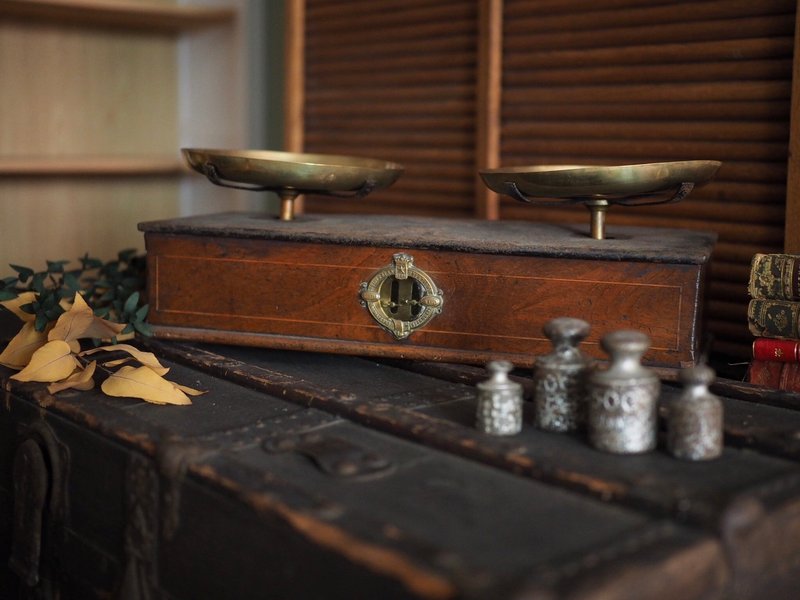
(79, 380)
(15, 304)
(116, 363)
(187, 390)
(148, 359)
(144, 383)
(73, 323)
(22, 346)
(52, 362)
(79, 322)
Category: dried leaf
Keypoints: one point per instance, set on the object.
(22, 346)
(148, 359)
(115, 363)
(144, 383)
(21, 300)
(79, 380)
(124, 337)
(187, 390)
(52, 362)
(80, 322)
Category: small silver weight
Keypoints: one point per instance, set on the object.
(499, 401)
(694, 421)
(623, 399)
(560, 377)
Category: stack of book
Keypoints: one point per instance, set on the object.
(773, 316)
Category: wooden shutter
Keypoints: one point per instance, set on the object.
(579, 82)
(628, 81)
(395, 80)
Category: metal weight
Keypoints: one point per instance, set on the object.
(623, 398)
(694, 422)
(499, 401)
(560, 377)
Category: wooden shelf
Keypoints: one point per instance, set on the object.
(123, 14)
(91, 166)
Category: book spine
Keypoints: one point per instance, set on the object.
(775, 276)
(775, 375)
(766, 373)
(775, 349)
(774, 318)
(790, 377)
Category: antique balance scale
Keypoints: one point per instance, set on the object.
(431, 289)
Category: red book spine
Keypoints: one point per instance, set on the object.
(790, 377)
(775, 349)
(775, 375)
(766, 373)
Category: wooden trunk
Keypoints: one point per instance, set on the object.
(303, 475)
(250, 279)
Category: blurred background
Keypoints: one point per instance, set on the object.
(98, 96)
(97, 99)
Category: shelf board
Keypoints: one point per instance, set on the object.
(123, 14)
(90, 166)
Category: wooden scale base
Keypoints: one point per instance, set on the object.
(432, 289)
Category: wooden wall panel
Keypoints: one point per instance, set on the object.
(90, 121)
(626, 81)
(70, 95)
(64, 218)
(395, 80)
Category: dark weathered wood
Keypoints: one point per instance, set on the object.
(421, 408)
(432, 526)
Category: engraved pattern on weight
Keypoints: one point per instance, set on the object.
(500, 414)
(622, 418)
(695, 438)
(558, 397)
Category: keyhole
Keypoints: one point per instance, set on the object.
(403, 298)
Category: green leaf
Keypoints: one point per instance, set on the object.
(7, 295)
(131, 303)
(56, 266)
(143, 328)
(37, 283)
(126, 255)
(88, 262)
(72, 282)
(24, 272)
(142, 312)
(41, 322)
(53, 313)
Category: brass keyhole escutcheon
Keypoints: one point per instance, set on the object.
(401, 297)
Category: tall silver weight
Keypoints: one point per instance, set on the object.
(623, 399)
(694, 422)
(499, 401)
(560, 377)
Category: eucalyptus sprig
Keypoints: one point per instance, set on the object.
(98, 301)
(112, 289)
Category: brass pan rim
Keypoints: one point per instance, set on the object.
(293, 158)
(582, 181)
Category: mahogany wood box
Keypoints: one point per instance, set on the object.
(251, 279)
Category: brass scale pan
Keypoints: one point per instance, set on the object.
(597, 187)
